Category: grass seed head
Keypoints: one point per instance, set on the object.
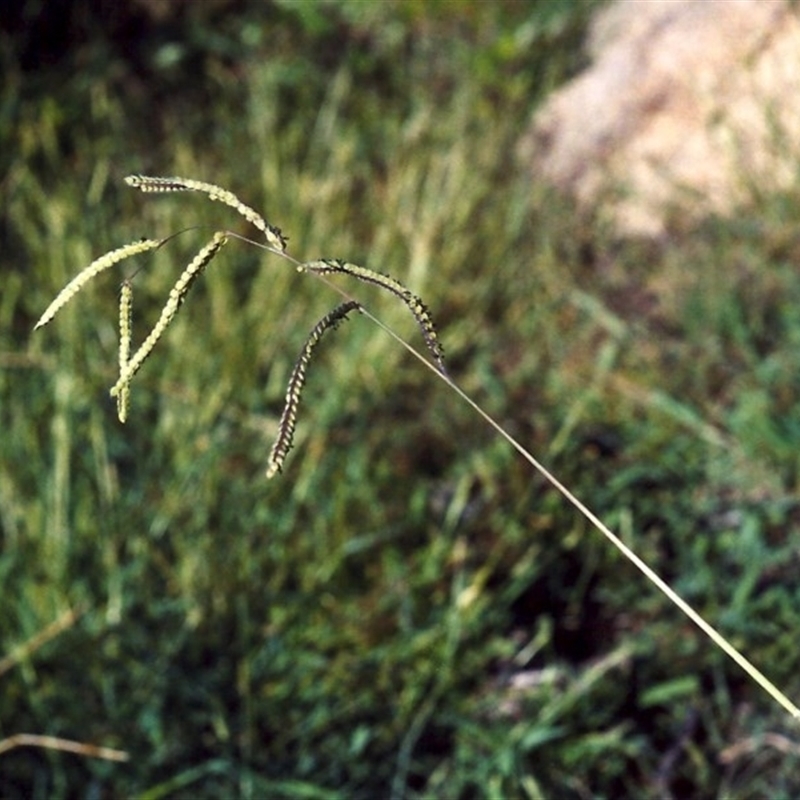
(148, 183)
(95, 268)
(125, 338)
(288, 421)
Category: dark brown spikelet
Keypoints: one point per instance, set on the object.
(414, 303)
(297, 379)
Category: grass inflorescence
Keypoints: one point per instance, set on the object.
(92, 271)
(288, 420)
(130, 365)
(125, 340)
(174, 301)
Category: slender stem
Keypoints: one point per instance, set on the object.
(649, 573)
(716, 637)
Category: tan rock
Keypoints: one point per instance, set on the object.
(689, 105)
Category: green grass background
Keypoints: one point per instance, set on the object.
(408, 611)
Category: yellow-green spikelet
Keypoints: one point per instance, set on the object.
(174, 302)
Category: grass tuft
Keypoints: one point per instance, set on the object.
(413, 613)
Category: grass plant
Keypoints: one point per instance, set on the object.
(406, 610)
